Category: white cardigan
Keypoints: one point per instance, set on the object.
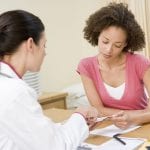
(23, 125)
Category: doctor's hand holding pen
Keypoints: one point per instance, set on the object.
(89, 113)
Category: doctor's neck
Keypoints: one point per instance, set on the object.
(16, 64)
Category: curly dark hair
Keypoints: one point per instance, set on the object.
(115, 14)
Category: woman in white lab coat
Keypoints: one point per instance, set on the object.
(22, 123)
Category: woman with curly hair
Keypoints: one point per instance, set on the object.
(115, 78)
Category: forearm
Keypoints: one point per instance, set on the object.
(106, 111)
(136, 116)
(139, 116)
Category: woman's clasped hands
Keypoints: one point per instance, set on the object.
(121, 119)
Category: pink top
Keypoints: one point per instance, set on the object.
(134, 97)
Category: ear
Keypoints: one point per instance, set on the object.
(30, 44)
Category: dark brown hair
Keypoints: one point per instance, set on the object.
(17, 26)
(115, 14)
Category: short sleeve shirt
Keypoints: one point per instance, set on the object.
(134, 96)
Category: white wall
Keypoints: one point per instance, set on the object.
(64, 21)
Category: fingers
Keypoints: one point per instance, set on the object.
(121, 120)
(121, 125)
(90, 114)
(120, 116)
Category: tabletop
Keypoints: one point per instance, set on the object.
(54, 114)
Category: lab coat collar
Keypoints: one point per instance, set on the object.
(8, 71)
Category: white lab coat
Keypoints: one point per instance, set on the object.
(23, 125)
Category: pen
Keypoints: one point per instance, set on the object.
(100, 119)
(118, 139)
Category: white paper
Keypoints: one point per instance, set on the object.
(131, 144)
(112, 130)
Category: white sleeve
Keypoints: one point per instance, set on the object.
(24, 123)
(71, 134)
(6, 143)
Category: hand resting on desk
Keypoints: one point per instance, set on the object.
(121, 120)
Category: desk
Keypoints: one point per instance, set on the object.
(54, 114)
(53, 99)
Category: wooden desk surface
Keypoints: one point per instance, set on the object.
(54, 114)
(58, 115)
(51, 96)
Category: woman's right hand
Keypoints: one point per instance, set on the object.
(121, 120)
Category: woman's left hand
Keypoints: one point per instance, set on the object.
(121, 120)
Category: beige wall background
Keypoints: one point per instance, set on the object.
(64, 21)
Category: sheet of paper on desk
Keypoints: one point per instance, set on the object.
(112, 130)
(131, 144)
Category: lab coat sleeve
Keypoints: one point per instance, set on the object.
(34, 131)
(71, 134)
(6, 143)
(23, 122)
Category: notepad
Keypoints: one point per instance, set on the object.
(131, 144)
(112, 130)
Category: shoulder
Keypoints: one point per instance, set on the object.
(87, 66)
(88, 60)
(14, 89)
(13, 84)
(138, 58)
(139, 63)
